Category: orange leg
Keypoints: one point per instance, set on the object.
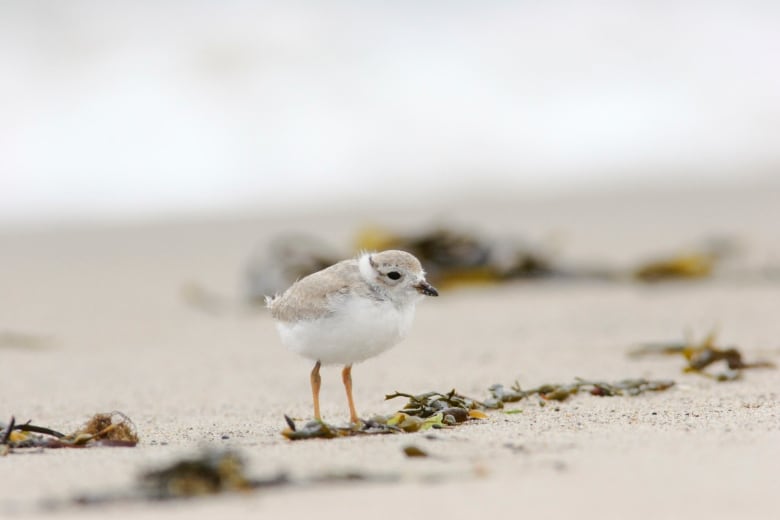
(346, 376)
(315, 389)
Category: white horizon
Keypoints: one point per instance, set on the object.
(174, 108)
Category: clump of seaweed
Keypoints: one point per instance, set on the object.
(697, 262)
(105, 429)
(453, 256)
(454, 407)
(207, 474)
(112, 429)
(447, 409)
(701, 355)
(412, 451)
(561, 392)
(25, 436)
(678, 267)
(319, 429)
(422, 412)
(400, 422)
(462, 408)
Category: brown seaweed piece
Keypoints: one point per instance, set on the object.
(104, 429)
(561, 392)
(422, 412)
(379, 425)
(701, 355)
(430, 403)
(322, 430)
(112, 429)
(224, 471)
(25, 435)
(453, 257)
(413, 451)
(698, 262)
(210, 473)
(207, 474)
(683, 266)
(443, 410)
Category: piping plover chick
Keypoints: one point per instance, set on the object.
(349, 312)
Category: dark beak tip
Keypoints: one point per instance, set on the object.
(427, 289)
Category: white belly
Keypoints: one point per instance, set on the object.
(359, 330)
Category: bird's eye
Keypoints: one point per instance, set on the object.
(394, 275)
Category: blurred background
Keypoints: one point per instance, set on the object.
(145, 109)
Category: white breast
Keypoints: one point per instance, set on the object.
(359, 329)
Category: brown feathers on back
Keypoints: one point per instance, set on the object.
(309, 297)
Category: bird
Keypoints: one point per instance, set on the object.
(350, 312)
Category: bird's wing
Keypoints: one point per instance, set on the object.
(311, 297)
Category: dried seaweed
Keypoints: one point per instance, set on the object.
(215, 472)
(207, 474)
(435, 402)
(104, 429)
(561, 392)
(450, 404)
(444, 410)
(322, 430)
(701, 355)
(25, 436)
(695, 263)
(412, 451)
(455, 256)
(112, 429)
(452, 256)
(682, 266)
(379, 425)
(422, 412)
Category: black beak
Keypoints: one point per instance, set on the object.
(426, 289)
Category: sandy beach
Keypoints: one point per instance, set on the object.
(114, 331)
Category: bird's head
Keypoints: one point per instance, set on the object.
(397, 274)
